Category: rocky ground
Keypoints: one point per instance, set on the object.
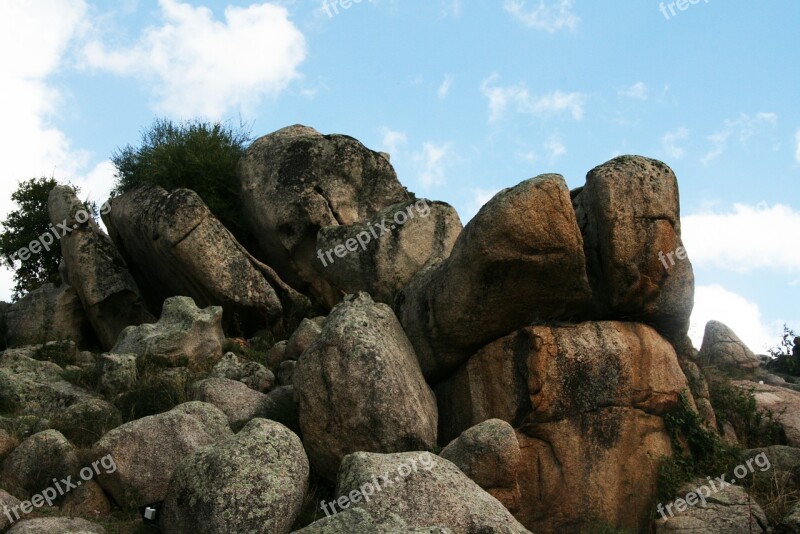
(362, 371)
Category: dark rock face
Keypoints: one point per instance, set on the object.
(175, 246)
(296, 181)
(48, 314)
(98, 273)
(519, 261)
(629, 215)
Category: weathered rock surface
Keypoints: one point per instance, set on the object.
(518, 261)
(7, 502)
(722, 347)
(37, 461)
(629, 213)
(148, 450)
(237, 401)
(280, 406)
(87, 499)
(296, 181)
(784, 403)
(790, 523)
(381, 255)
(108, 292)
(48, 313)
(117, 372)
(359, 388)
(62, 525)
(252, 374)
(253, 482)
(175, 246)
(185, 335)
(307, 333)
(727, 511)
(359, 521)
(587, 402)
(36, 388)
(489, 454)
(424, 490)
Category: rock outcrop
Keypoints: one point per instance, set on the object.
(518, 262)
(784, 403)
(184, 335)
(108, 292)
(296, 181)
(629, 215)
(722, 347)
(359, 388)
(382, 254)
(253, 482)
(48, 313)
(175, 246)
(586, 401)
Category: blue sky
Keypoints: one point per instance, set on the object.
(469, 97)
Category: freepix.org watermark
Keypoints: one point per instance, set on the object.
(331, 7)
(700, 494)
(363, 238)
(682, 5)
(51, 494)
(378, 483)
(51, 237)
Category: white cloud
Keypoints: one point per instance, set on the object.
(392, 141)
(201, 66)
(518, 97)
(744, 239)
(638, 91)
(714, 302)
(555, 146)
(444, 88)
(797, 151)
(669, 143)
(431, 163)
(34, 37)
(742, 128)
(550, 16)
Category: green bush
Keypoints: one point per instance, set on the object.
(196, 155)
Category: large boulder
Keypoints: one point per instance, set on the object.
(148, 450)
(423, 490)
(489, 454)
(722, 347)
(518, 261)
(47, 314)
(784, 403)
(37, 461)
(174, 246)
(727, 510)
(586, 401)
(629, 215)
(8, 502)
(253, 482)
(359, 388)
(185, 335)
(382, 254)
(108, 292)
(250, 373)
(296, 181)
(237, 401)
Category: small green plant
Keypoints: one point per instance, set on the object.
(697, 450)
(62, 353)
(197, 155)
(754, 427)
